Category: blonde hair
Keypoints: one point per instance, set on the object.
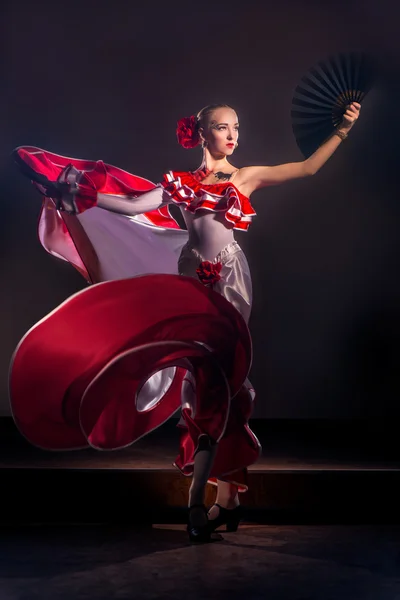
(206, 112)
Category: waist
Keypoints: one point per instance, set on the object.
(228, 249)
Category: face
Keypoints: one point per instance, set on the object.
(221, 131)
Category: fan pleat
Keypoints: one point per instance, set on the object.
(331, 88)
(323, 95)
(316, 96)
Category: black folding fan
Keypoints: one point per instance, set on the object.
(323, 94)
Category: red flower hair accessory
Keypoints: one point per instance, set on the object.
(209, 272)
(187, 133)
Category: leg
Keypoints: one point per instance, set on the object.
(131, 205)
(227, 497)
(203, 461)
(77, 196)
(226, 510)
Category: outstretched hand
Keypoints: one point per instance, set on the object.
(350, 116)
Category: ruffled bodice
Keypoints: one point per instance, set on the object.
(184, 189)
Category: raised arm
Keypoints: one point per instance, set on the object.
(254, 178)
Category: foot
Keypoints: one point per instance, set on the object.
(72, 192)
(75, 192)
(197, 527)
(219, 515)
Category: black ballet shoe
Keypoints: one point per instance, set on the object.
(51, 189)
(68, 195)
(200, 534)
(227, 516)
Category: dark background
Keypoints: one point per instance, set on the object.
(110, 83)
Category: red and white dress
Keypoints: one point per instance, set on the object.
(158, 330)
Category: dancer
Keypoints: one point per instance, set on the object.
(95, 216)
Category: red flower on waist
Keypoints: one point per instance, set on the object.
(209, 272)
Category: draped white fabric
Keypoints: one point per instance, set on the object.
(129, 246)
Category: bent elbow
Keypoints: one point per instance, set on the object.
(308, 169)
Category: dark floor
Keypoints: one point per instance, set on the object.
(258, 562)
(340, 473)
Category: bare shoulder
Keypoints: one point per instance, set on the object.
(243, 180)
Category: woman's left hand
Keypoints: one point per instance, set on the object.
(350, 116)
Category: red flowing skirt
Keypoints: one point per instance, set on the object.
(119, 358)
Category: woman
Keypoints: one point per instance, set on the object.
(212, 207)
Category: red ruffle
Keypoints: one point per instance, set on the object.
(76, 374)
(184, 188)
(237, 449)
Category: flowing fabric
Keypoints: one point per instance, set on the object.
(79, 239)
(119, 358)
